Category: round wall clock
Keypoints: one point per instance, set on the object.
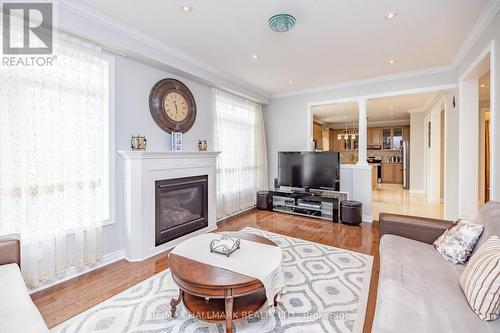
(172, 106)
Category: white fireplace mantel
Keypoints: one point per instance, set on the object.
(141, 155)
(141, 170)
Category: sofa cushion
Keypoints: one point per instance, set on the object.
(419, 291)
(480, 280)
(17, 311)
(489, 216)
(457, 242)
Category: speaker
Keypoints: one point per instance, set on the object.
(276, 183)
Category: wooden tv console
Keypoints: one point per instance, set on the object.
(316, 204)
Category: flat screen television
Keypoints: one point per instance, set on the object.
(309, 170)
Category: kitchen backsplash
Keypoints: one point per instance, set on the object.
(351, 156)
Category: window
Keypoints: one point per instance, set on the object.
(242, 164)
(55, 143)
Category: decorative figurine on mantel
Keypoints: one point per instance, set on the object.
(138, 142)
(202, 145)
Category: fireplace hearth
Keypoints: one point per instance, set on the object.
(181, 207)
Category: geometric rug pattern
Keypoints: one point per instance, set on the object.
(326, 291)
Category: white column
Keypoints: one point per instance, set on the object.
(362, 130)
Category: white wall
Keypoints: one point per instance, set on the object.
(287, 120)
(417, 147)
(451, 160)
(434, 187)
(468, 177)
(133, 82)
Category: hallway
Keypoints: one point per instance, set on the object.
(390, 198)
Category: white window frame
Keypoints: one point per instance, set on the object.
(109, 180)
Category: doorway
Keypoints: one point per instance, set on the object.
(475, 143)
(484, 159)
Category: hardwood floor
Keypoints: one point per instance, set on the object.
(69, 298)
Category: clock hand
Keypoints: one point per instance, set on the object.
(175, 103)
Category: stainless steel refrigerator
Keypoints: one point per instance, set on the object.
(406, 164)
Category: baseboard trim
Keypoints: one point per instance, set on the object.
(164, 248)
(367, 218)
(235, 214)
(73, 272)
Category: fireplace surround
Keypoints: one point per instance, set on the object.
(141, 172)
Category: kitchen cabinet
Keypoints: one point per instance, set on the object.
(318, 135)
(326, 139)
(374, 136)
(398, 173)
(386, 138)
(406, 133)
(335, 143)
(374, 177)
(392, 173)
(393, 137)
(397, 138)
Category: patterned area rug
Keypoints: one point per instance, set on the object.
(327, 291)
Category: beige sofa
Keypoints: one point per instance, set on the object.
(418, 290)
(18, 314)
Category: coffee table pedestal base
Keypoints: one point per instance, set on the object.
(221, 309)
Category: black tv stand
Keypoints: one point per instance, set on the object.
(314, 204)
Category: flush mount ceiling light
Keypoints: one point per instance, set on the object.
(391, 15)
(291, 82)
(186, 8)
(392, 62)
(255, 56)
(281, 22)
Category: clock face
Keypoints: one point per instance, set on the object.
(175, 106)
(172, 106)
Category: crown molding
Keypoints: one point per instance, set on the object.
(372, 80)
(95, 16)
(392, 122)
(417, 110)
(478, 28)
(80, 9)
(440, 98)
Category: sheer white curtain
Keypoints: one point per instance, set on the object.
(242, 164)
(53, 151)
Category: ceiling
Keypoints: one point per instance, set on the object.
(333, 41)
(388, 109)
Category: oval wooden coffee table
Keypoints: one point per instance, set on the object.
(216, 294)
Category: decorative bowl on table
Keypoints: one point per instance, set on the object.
(224, 245)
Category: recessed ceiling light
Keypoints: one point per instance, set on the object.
(291, 81)
(391, 15)
(392, 62)
(483, 85)
(186, 8)
(255, 56)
